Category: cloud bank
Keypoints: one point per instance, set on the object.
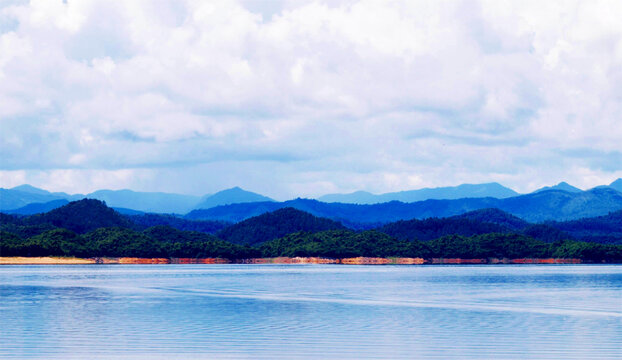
(304, 98)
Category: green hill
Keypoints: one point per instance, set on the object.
(265, 227)
(81, 216)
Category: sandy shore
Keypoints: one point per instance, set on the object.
(44, 260)
(58, 260)
(50, 260)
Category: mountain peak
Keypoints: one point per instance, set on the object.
(563, 186)
(566, 187)
(30, 189)
(84, 215)
(491, 189)
(233, 195)
(617, 185)
(235, 189)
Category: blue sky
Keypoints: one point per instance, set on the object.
(305, 98)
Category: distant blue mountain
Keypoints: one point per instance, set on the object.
(616, 185)
(31, 190)
(441, 193)
(563, 186)
(357, 197)
(34, 190)
(127, 200)
(559, 202)
(38, 208)
(234, 195)
(146, 201)
(20, 196)
(536, 207)
(11, 199)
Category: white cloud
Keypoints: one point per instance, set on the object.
(307, 97)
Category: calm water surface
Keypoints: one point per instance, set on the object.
(310, 311)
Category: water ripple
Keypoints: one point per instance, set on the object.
(295, 312)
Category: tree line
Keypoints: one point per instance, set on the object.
(88, 228)
(165, 241)
(158, 241)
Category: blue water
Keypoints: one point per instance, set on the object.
(310, 311)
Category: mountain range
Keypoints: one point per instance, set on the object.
(88, 215)
(549, 205)
(441, 193)
(558, 202)
(26, 199)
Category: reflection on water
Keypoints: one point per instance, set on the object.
(310, 311)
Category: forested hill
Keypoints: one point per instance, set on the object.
(495, 216)
(434, 228)
(604, 229)
(81, 216)
(275, 224)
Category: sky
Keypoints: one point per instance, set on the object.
(305, 98)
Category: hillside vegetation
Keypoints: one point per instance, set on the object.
(89, 228)
(337, 244)
(276, 224)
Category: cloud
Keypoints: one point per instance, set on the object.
(308, 97)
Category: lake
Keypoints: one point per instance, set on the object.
(310, 311)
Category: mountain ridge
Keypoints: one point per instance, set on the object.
(535, 207)
(89, 215)
(234, 195)
(492, 189)
(563, 186)
(17, 199)
(146, 201)
(616, 184)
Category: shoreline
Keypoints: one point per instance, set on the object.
(57, 260)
